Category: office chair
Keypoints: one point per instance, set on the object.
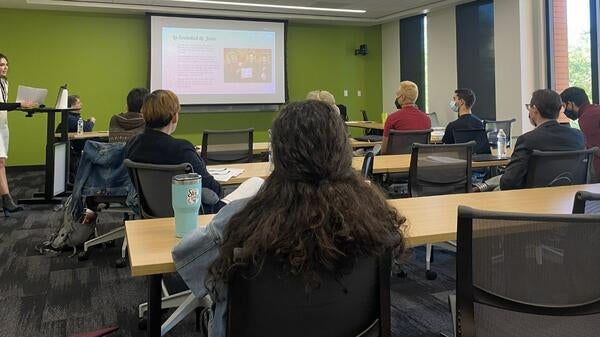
(492, 128)
(401, 141)
(505, 287)
(153, 184)
(435, 122)
(268, 303)
(437, 169)
(559, 168)
(586, 203)
(227, 146)
(370, 135)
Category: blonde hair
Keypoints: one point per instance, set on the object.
(323, 96)
(159, 108)
(409, 90)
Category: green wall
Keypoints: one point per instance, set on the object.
(102, 56)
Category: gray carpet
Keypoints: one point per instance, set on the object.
(60, 296)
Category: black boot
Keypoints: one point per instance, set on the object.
(9, 206)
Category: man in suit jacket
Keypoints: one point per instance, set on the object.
(548, 135)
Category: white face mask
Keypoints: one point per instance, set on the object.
(453, 106)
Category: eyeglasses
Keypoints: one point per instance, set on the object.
(528, 106)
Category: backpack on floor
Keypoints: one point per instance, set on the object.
(71, 233)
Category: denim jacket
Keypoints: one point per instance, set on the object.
(102, 172)
(194, 255)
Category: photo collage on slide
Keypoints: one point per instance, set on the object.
(247, 65)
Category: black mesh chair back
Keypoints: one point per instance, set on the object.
(440, 169)
(479, 136)
(367, 166)
(527, 274)
(492, 128)
(271, 303)
(343, 112)
(559, 168)
(364, 115)
(153, 184)
(435, 122)
(586, 203)
(400, 141)
(227, 146)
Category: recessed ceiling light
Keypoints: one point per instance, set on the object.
(246, 4)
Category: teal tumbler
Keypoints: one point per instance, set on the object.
(186, 191)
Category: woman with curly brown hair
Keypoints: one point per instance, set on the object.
(313, 213)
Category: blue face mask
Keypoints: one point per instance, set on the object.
(453, 106)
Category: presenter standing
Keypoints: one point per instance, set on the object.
(7, 203)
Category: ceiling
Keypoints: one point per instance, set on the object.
(378, 11)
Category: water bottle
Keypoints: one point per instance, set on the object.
(186, 194)
(80, 126)
(501, 144)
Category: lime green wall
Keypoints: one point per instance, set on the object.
(102, 56)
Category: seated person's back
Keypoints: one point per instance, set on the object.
(88, 124)
(156, 145)
(309, 215)
(462, 102)
(408, 117)
(128, 124)
(548, 135)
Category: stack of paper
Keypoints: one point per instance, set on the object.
(224, 174)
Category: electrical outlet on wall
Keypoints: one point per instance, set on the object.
(359, 93)
(345, 92)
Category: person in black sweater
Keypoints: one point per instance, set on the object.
(461, 103)
(156, 145)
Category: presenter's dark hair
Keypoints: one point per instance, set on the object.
(135, 99)
(547, 102)
(314, 212)
(2, 56)
(575, 95)
(466, 95)
(159, 108)
(72, 99)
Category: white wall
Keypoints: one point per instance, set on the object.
(390, 51)
(520, 58)
(441, 62)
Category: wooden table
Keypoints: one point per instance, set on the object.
(263, 147)
(365, 125)
(399, 163)
(85, 135)
(429, 220)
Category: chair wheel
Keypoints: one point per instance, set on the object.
(143, 324)
(83, 256)
(430, 275)
(120, 262)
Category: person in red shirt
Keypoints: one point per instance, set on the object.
(577, 106)
(408, 117)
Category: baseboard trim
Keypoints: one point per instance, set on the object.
(24, 168)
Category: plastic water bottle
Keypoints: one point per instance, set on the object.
(80, 126)
(501, 144)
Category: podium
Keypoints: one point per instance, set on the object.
(48, 196)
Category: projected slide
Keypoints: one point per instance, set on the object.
(208, 61)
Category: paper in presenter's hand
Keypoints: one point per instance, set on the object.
(31, 95)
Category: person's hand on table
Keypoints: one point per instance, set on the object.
(93, 120)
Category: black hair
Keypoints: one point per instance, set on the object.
(547, 102)
(575, 95)
(2, 56)
(72, 99)
(466, 95)
(135, 99)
